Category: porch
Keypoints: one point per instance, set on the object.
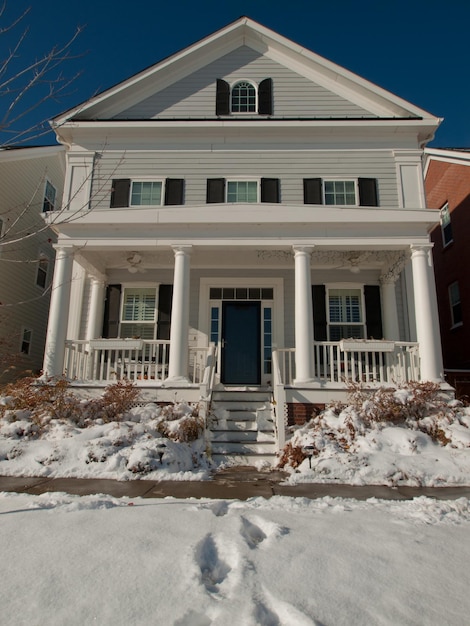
(334, 363)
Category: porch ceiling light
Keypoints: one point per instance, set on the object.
(134, 260)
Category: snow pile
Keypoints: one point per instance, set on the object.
(393, 437)
(97, 560)
(153, 442)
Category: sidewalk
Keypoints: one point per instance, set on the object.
(238, 483)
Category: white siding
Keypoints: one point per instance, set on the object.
(291, 167)
(194, 96)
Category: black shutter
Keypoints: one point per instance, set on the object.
(270, 190)
(112, 309)
(174, 189)
(312, 191)
(120, 192)
(265, 97)
(319, 313)
(165, 296)
(215, 190)
(373, 312)
(222, 100)
(368, 192)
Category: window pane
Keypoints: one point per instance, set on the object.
(216, 293)
(139, 305)
(242, 191)
(146, 193)
(243, 98)
(340, 192)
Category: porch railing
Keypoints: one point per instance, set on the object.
(108, 360)
(358, 361)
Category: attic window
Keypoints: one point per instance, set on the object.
(243, 98)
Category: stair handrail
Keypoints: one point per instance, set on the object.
(279, 402)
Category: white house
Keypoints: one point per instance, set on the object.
(245, 215)
(31, 182)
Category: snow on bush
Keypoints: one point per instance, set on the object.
(410, 435)
(56, 433)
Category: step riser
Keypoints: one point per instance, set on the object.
(242, 430)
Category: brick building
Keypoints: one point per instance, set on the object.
(447, 183)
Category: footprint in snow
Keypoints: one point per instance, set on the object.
(191, 618)
(213, 569)
(219, 508)
(255, 533)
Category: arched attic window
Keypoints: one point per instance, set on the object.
(244, 96)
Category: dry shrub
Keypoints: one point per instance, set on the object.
(178, 424)
(116, 400)
(53, 399)
(186, 429)
(292, 455)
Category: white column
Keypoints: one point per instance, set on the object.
(427, 324)
(389, 308)
(58, 312)
(96, 309)
(179, 334)
(304, 364)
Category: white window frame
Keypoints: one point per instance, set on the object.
(46, 197)
(43, 257)
(161, 181)
(340, 180)
(29, 342)
(254, 85)
(148, 286)
(455, 303)
(244, 180)
(445, 211)
(346, 287)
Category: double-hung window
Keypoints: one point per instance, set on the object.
(345, 314)
(138, 312)
(242, 191)
(42, 271)
(446, 226)
(342, 192)
(26, 341)
(146, 193)
(50, 194)
(455, 304)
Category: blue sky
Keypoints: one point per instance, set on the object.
(418, 50)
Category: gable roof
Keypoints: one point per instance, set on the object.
(457, 156)
(246, 32)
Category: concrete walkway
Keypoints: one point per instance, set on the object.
(239, 483)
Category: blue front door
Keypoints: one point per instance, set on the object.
(241, 343)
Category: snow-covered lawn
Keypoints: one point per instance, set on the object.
(284, 561)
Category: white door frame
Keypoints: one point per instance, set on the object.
(276, 284)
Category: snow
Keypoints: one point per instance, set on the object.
(284, 561)
(433, 450)
(280, 561)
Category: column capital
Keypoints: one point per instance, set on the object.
(420, 248)
(182, 249)
(302, 249)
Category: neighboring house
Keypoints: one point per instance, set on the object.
(447, 181)
(247, 200)
(31, 184)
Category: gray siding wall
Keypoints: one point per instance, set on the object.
(26, 305)
(290, 166)
(194, 96)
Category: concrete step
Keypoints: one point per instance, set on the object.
(237, 447)
(233, 396)
(257, 460)
(250, 436)
(242, 425)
